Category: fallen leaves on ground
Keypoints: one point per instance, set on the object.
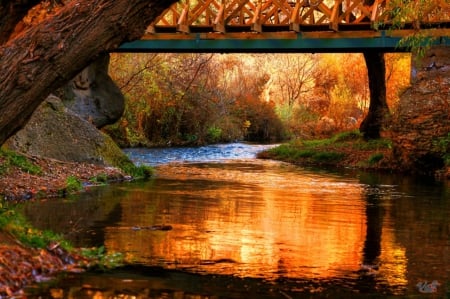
(21, 266)
(17, 184)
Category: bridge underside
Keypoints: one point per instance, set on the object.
(288, 26)
(275, 42)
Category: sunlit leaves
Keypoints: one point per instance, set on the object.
(417, 13)
(189, 98)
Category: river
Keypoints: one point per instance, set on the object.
(217, 223)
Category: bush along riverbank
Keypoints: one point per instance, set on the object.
(344, 150)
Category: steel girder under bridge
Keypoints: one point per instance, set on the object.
(284, 26)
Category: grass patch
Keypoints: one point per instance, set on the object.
(376, 144)
(99, 258)
(343, 149)
(317, 143)
(73, 184)
(10, 159)
(290, 153)
(15, 223)
(343, 139)
(283, 151)
(138, 172)
(327, 157)
(347, 136)
(304, 154)
(100, 179)
(375, 158)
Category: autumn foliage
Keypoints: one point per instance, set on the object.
(192, 99)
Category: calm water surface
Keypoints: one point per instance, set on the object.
(243, 227)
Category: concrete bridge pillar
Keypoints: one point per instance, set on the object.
(421, 125)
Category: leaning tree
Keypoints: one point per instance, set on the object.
(38, 59)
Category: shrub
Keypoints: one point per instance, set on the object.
(375, 158)
(442, 145)
(101, 178)
(214, 134)
(73, 184)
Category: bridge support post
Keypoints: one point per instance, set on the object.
(378, 109)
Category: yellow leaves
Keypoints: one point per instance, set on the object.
(398, 70)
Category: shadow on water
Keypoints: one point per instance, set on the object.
(257, 229)
(153, 282)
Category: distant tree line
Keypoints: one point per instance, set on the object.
(194, 99)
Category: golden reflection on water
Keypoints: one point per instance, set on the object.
(315, 231)
(252, 223)
(394, 257)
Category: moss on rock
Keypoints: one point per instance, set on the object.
(56, 132)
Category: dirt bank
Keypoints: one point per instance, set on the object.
(351, 152)
(19, 184)
(20, 265)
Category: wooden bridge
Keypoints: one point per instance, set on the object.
(286, 26)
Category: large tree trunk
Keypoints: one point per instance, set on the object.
(378, 108)
(48, 55)
(11, 12)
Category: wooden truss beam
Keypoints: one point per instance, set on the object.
(245, 19)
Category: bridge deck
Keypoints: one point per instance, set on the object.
(284, 26)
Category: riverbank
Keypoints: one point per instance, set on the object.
(25, 178)
(346, 150)
(35, 178)
(22, 265)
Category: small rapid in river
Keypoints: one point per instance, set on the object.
(210, 153)
(217, 223)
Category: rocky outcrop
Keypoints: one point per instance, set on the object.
(67, 129)
(56, 132)
(421, 126)
(93, 95)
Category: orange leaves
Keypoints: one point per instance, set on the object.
(37, 15)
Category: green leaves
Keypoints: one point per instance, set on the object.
(443, 145)
(416, 14)
(73, 184)
(97, 256)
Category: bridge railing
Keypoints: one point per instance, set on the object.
(223, 16)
